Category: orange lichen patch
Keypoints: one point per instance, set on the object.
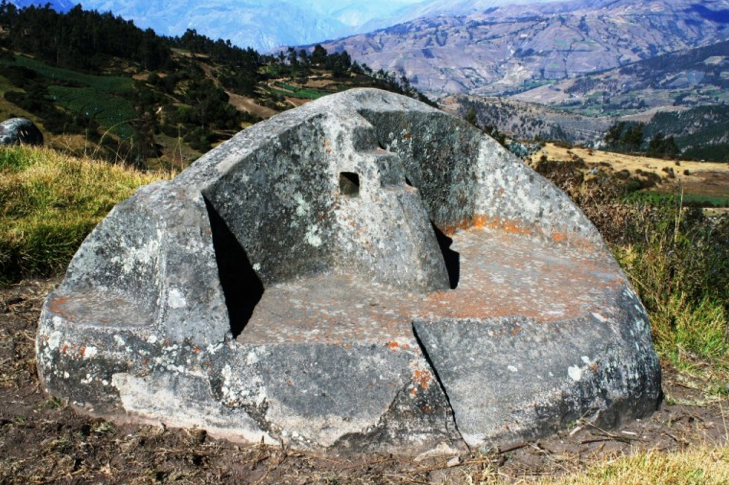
(56, 305)
(422, 378)
(451, 229)
(480, 221)
(414, 391)
(510, 227)
(393, 346)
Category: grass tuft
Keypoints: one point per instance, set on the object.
(706, 465)
(50, 202)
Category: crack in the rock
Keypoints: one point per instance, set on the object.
(427, 358)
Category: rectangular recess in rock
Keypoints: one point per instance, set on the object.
(349, 184)
(242, 287)
(451, 258)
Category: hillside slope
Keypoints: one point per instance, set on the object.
(680, 79)
(95, 83)
(528, 121)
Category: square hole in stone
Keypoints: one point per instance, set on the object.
(349, 184)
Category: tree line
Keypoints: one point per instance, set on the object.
(630, 137)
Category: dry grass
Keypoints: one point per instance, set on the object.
(706, 465)
(621, 161)
(248, 104)
(698, 178)
(49, 202)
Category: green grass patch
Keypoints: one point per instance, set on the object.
(111, 112)
(106, 84)
(294, 92)
(677, 261)
(50, 202)
(687, 199)
(285, 86)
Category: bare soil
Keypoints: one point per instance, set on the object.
(247, 104)
(43, 441)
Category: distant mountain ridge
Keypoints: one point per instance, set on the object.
(261, 24)
(503, 50)
(678, 80)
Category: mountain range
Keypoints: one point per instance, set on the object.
(481, 47)
(507, 49)
(268, 24)
(691, 77)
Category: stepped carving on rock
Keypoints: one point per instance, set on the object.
(364, 272)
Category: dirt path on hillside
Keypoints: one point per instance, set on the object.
(42, 441)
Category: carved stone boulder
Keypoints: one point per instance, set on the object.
(364, 272)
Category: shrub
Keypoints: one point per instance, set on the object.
(677, 260)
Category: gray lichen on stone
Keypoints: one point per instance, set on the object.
(364, 272)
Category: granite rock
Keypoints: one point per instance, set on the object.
(19, 130)
(361, 273)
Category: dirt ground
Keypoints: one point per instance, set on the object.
(247, 104)
(42, 441)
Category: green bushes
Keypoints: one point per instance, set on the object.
(678, 260)
(49, 203)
